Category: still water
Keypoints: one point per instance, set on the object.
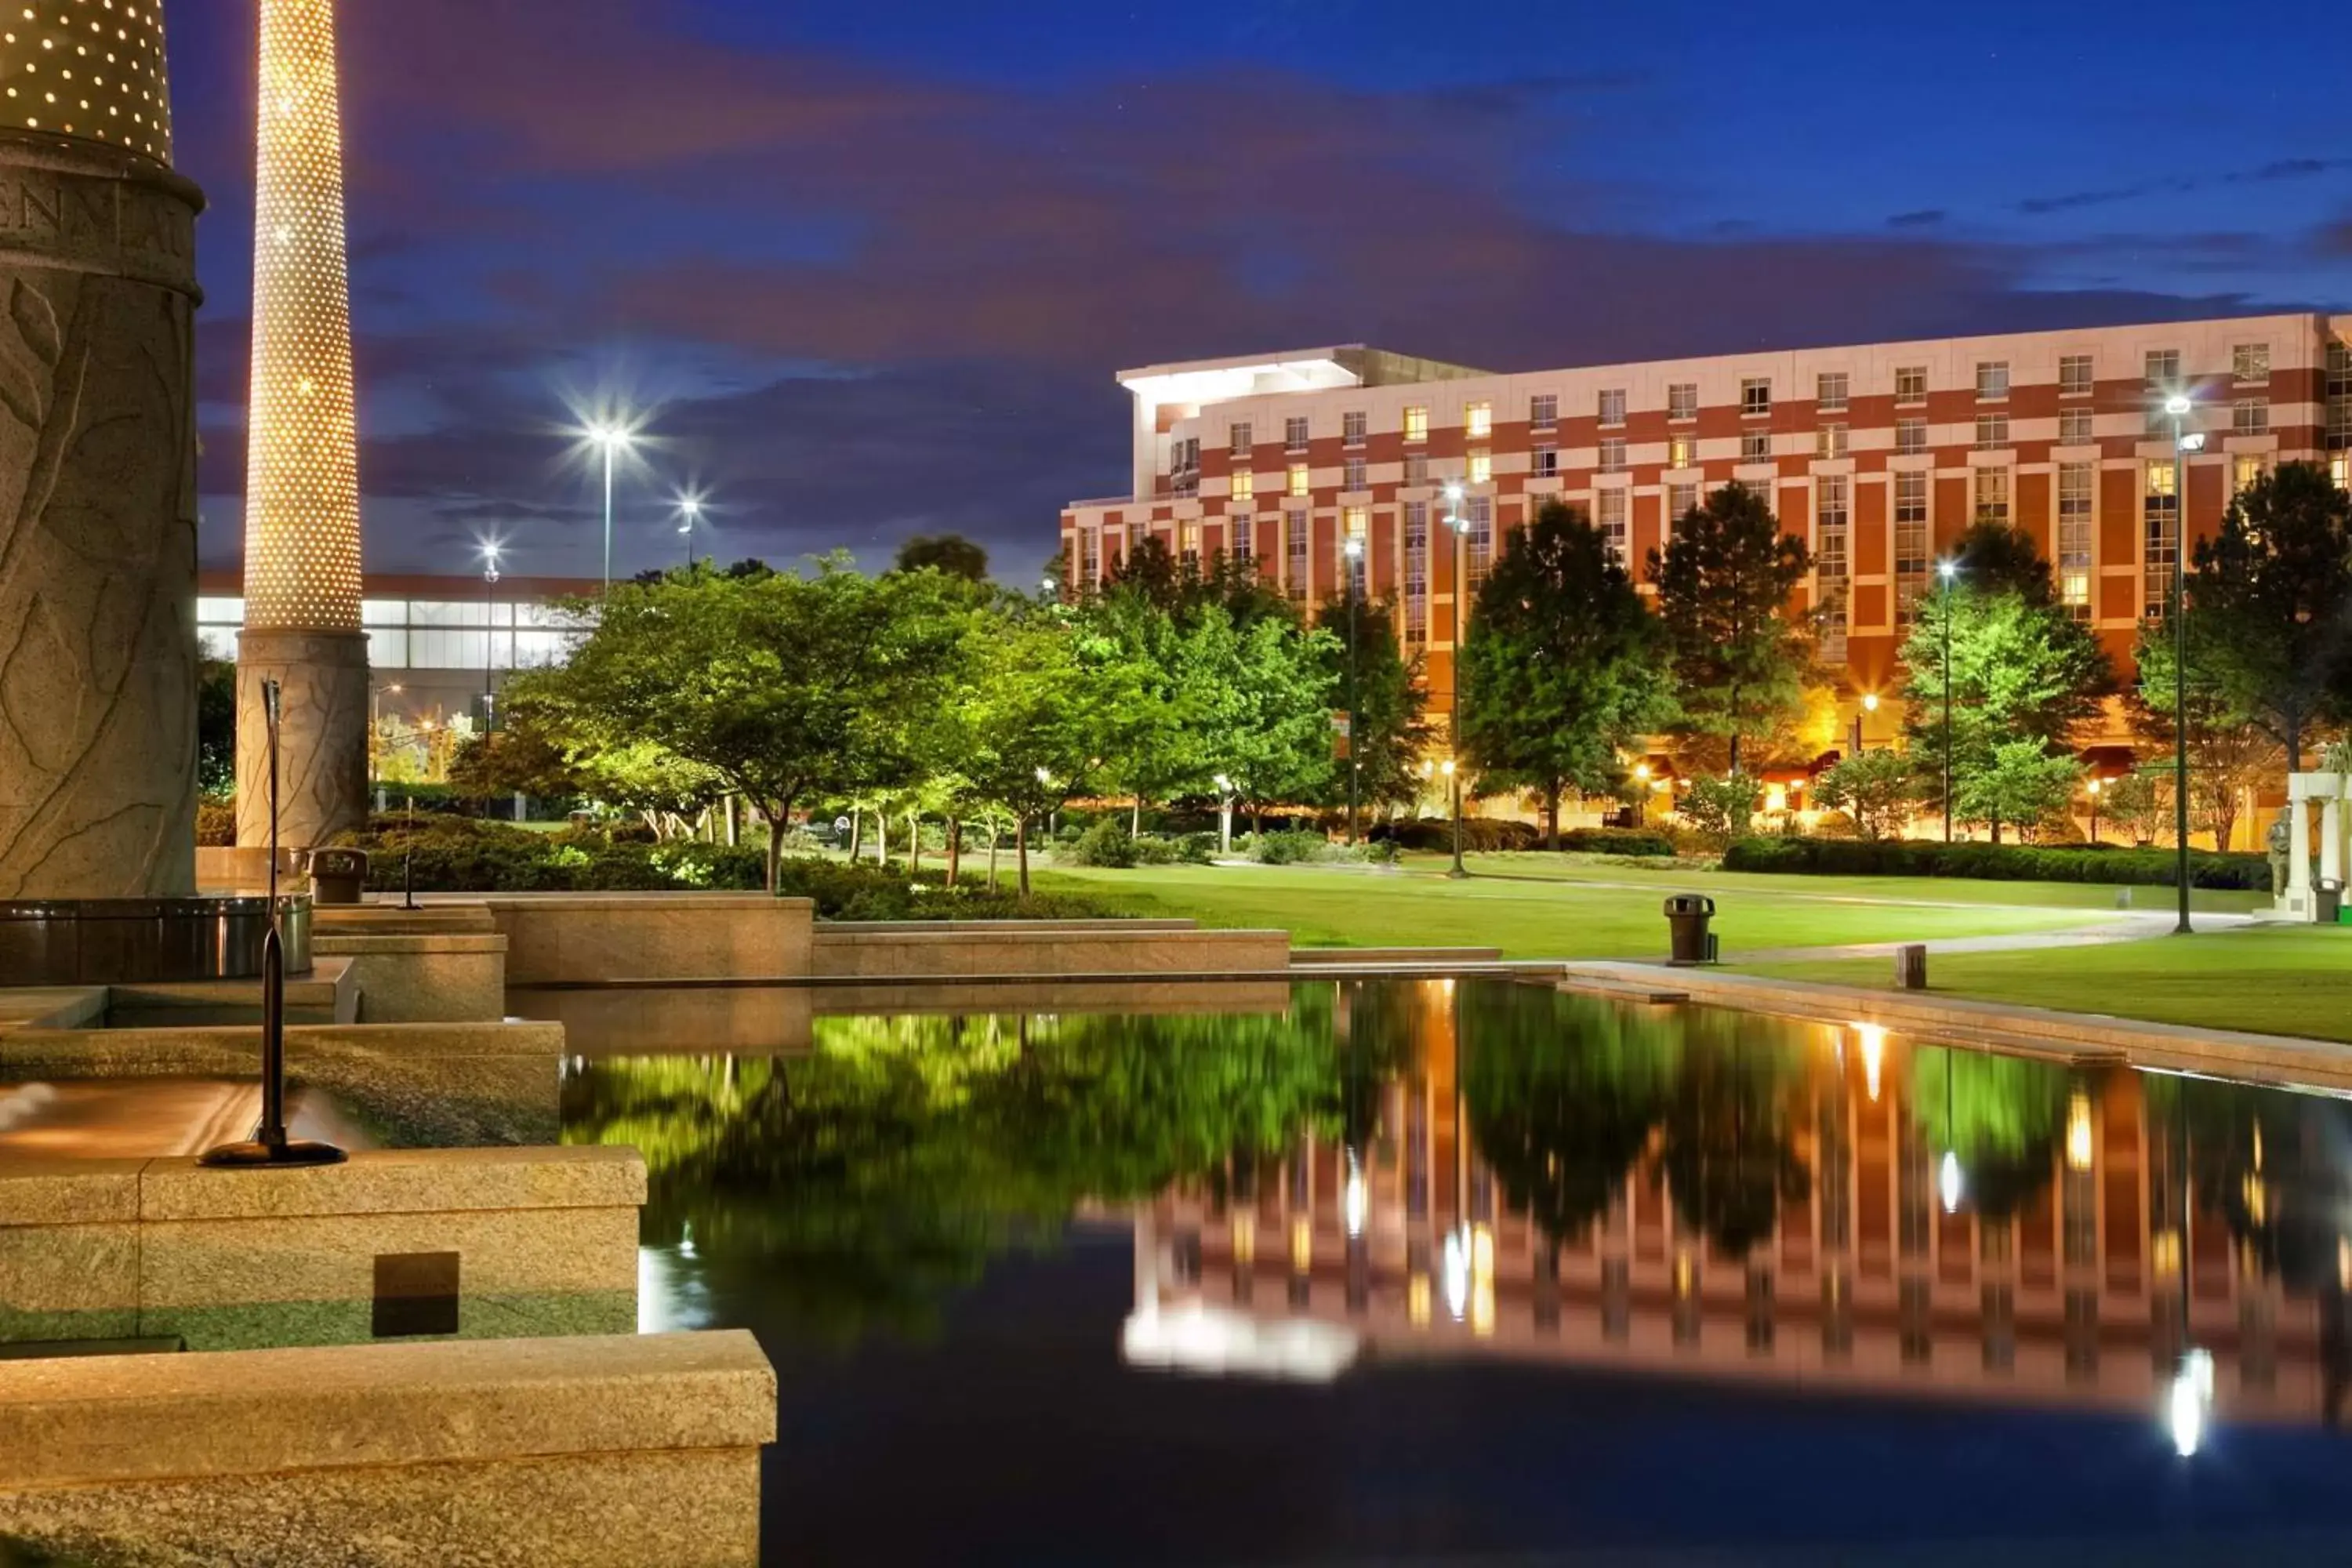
(1421, 1272)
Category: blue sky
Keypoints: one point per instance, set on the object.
(873, 265)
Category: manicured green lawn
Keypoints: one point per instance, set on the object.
(1538, 918)
(1674, 877)
(2282, 980)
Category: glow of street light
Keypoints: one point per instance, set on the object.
(1354, 548)
(1454, 490)
(2177, 404)
(1945, 569)
(1869, 701)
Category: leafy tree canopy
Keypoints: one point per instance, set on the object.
(1724, 582)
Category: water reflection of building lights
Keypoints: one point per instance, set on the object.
(1244, 1232)
(1948, 1181)
(1872, 1040)
(1302, 1243)
(1355, 1199)
(1482, 1281)
(1455, 1266)
(2078, 1130)
(1416, 1300)
(2191, 1402)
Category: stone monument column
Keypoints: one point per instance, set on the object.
(97, 514)
(301, 486)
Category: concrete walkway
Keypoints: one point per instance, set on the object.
(2133, 927)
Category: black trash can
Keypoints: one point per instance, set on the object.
(2329, 901)
(1687, 915)
(338, 876)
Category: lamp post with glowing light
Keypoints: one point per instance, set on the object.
(1225, 815)
(1460, 527)
(2184, 442)
(611, 440)
(689, 512)
(2092, 789)
(1641, 794)
(1947, 570)
(489, 634)
(1354, 551)
(1869, 705)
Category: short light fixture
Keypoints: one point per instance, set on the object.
(1869, 701)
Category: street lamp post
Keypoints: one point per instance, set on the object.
(1354, 550)
(2183, 443)
(611, 440)
(489, 634)
(1947, 571)
(1869, 705)
(2092, 789)
(1225, 815)
(1460, 527)
(689, 512)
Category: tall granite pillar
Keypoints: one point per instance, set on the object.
(301, 486)
(98, 513)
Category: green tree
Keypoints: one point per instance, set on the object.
(1384, 688)
(786, 685)
(2270, 618)
(2231, 756)
(1719, 810)
(1724, 582)
(1994, 557)
(951, 553)
(216, 728)
(2023, 668)
(2020, 784)
(1562, 667)
(1876, 788)
(1266, 700)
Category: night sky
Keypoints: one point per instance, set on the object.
(871, 267)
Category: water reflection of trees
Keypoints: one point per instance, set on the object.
(864, 1183)
(2005, 1117)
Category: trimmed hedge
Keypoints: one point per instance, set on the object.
(1993, 862)
(1616, 841)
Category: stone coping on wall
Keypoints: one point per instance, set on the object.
(372, 1182)
(915, 957)
(236, 1049)
(2280, 1059)
(94, 1421)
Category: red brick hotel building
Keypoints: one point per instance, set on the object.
(1879, 456)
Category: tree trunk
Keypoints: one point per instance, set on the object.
(955, 848)
(914, 843)
(2294, 745)
(1551, 819)
(1135, 823)
(1021, 849)
(993, 834)
(1257, 818)
(857, 831)
(775, 814)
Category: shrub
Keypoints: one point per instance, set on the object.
(1993, 862)
(216, 823)
(1616, 841)
(1435, 834)
(1719, 810)
(1105, 844)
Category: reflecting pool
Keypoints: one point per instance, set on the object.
(1420, 1269)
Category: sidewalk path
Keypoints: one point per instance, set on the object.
(2134, 928)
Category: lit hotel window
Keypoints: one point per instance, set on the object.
(2075, 482)
(2246, 471)
(1830, 441)
(1482, 467)
(1829, 391)
(1416, 423)
(1298, 486)
(1478, 421)
(1992, 495)
(1244, 485)
(1682, 452)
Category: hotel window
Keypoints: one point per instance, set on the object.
(2075, 428)
(1682, 451)
(1482, 467)
(1416, 574)
(2250, 362)
(1682, 400)
(1352, 474)
(1244, 531)
(2160, 537)
(1993, 431)
(2339, 472)
(1611, 506)
(2339, 402)
(1832, 516)
(1911, 383)
(2251, 416)
(1245, 483)
(2163, 369)
(2075, 507)
(1755, 396)
(1297, 484)
(1352, 428)
(1293, 547)
(1355, 523)
(1754, 446)
(1478, 421)
(2075, 375)
(1416, 423)
(1992, 380)
(1910, 544)
(2246, 471)
(1294, 434)
(1910, 436)
(1543, 410)
(1188, 542)
(1547, 461)
(1184, 466)
(1239, 442)
(1089, 554)
(1681, 501)
(1830, 392)
(1613, 405)
(1481, 534)
(1612, 455)
(1416, 468)
(1829, 441)
(1760, 488)
(1992, 495)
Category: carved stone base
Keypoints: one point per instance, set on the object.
(322, 736)
(97, 524)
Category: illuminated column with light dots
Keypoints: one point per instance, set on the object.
(98, 493)
(303, 492)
